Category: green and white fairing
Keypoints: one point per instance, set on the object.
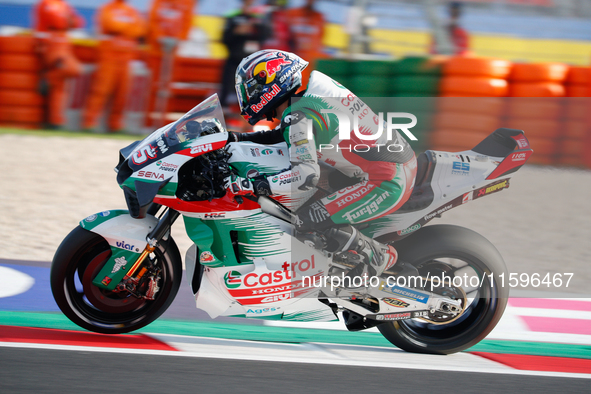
(232, 238)
(127, 239)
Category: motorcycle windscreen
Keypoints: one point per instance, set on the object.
(205, 119)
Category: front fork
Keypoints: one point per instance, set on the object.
(161, 229)
(134, 281)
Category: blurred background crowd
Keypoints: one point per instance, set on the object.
(119, 65)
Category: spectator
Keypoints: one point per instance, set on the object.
(280, 34)
(52, 20)
(453, 39)
(120, 27)
(169, 18)
(307, 26)
(169, 22)
(244, 33)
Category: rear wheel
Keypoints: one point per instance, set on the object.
(80, 257)
(454, 251)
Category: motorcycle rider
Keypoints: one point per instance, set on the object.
(380, 179)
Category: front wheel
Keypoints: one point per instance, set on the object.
(80, 257)
(452, 250)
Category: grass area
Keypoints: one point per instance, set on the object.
(70, 134)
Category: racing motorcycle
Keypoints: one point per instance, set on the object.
(120, 269)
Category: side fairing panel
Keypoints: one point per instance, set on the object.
(251, 159)
(121, 230)
(127, 238)
(458, 178)
(264, 278)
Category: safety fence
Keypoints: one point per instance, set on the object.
(550, 101)
(475, 96)
(21, 103)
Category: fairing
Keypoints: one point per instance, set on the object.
(150, 167)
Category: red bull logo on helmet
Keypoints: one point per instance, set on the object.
(271, 67)
(265, 98)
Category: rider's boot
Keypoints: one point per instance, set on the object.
(376, 257)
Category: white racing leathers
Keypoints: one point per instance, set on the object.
(311, 126)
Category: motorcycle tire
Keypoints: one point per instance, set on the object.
(426, 248)
(103, 311)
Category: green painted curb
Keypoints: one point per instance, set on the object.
(210, 329)
(291, 334)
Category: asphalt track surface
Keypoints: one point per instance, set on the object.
(541, 225)
(64, 369)
(42, 370)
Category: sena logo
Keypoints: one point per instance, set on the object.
(150, 175)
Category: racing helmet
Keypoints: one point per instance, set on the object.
(264, 80)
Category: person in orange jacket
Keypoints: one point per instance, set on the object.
(169, 22)
(307, 26)
(52, 20)
(121, 27)
(169, 18)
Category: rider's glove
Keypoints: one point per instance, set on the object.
(261, 186)
(242, 186)
(233, 137)
(239, 186)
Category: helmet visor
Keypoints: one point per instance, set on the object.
(248, 89)
(242, 96)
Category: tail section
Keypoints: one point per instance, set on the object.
(510, 144)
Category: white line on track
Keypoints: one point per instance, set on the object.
(310, 353)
